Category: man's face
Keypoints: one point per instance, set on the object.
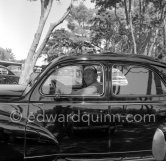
(89, 76)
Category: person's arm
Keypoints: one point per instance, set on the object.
(85, 91)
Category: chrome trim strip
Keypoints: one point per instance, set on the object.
(97, 154)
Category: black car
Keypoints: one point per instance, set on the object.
(44, 120)
(7, 76)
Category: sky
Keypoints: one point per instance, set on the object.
(19, 21)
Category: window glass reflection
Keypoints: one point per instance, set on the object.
(136, 80)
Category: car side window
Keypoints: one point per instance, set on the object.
(69, 80)
(136, 80)
(3, 71)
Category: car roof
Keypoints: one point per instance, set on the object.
(112, 56)
(8, 63)
(3, 66)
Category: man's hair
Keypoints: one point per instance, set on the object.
(91, 68)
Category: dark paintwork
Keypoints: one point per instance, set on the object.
(9, 63)
(35, 140)
(12, 90)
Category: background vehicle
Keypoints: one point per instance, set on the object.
(127, 120)
(10, 72)
(12, 66)
(7, 76)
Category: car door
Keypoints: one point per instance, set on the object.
(137, 94)
(12, 127)
(62, 124)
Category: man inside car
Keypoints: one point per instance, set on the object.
(93, 87)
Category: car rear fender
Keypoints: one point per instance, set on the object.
(159, 145)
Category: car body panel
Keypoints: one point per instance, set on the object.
(70, 139)
(48, 127)
(12, 130)
(12, 90)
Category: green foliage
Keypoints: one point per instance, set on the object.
(108, 28)
(80, 14)
(63, 42)
(75, 40)
(79, 20)
(6, 55)
(147, 24)
(106, 3)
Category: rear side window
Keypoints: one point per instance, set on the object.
(136, 80)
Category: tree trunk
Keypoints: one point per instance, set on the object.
(33, 54)
(152, 45)
(28, 69)
(133, 37)
(126, 12)
(164, 31)
(146, 50)
(144, 41)
(131, 28)
(51, 28)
